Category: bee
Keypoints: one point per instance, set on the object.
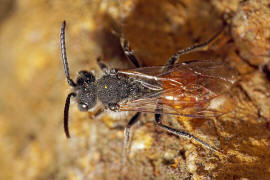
(181, 89)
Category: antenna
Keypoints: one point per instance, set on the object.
(69, 80)
(66, 114)
(64, 54)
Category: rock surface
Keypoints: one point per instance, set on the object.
(33, 89)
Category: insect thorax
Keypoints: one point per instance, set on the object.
(112, 89)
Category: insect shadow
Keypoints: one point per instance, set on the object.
(183, 89)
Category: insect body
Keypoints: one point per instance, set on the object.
(183, 89)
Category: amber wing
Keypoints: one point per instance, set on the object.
(186, 89)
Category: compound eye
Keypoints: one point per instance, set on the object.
(83, 107)
(86, 97)
(80, 81)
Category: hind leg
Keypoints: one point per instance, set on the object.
(181, 133)
(175, 57)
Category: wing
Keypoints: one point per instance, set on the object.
(186, 89)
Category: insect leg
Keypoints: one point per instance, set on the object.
(174, 58)
(132, 121)
(129, 52)
(102, 66)
(64, 54)
(181, 133)
(66, 113)
(99, 112)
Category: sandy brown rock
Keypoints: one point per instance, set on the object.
(33, 90)
(251, 31)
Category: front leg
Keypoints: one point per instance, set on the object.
(105, 69)
(101, 65)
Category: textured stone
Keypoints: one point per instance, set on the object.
(33, 90)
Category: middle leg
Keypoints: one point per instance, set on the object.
(129, 52)
(101, 65)
(131, 122)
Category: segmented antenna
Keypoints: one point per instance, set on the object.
(66, 114)
(69, 80)
(64, 54)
